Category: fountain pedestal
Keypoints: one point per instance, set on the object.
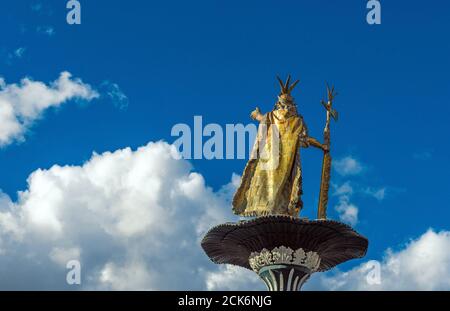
(283, 250)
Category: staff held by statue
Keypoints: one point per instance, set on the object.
(326, 163)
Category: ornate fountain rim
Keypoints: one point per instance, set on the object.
(333, 241)
(284, 256)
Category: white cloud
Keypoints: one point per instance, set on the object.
(348, 166)
(233, 278)
(63, 255)
(348, 212)
(21, 104)
(423, 264)
(344, 189)
(113, 92)
(378, 194)
(131, 275)
(133, 218)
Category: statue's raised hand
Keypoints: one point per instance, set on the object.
(256, 114)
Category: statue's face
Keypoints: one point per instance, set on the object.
(285, 106)
(285, 101)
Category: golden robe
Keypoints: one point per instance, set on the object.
(272, 179)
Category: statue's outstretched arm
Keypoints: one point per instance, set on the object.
(315, 143)
(257, 115)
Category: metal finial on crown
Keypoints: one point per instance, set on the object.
(286, 88)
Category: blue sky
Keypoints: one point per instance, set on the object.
(218, 59)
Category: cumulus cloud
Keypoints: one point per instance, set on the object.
(423, 264)
(130, 275)
(62, 256)
(348, 166)
(232, 278)
(133, 218)
(22, 104)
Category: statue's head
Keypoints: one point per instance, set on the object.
(285, 103)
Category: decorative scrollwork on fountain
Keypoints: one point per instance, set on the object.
(284, 255)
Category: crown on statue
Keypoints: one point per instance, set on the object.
(285, 97)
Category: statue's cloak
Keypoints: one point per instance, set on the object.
(272, 180)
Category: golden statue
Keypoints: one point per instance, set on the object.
(284, 250)
(272, 180)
